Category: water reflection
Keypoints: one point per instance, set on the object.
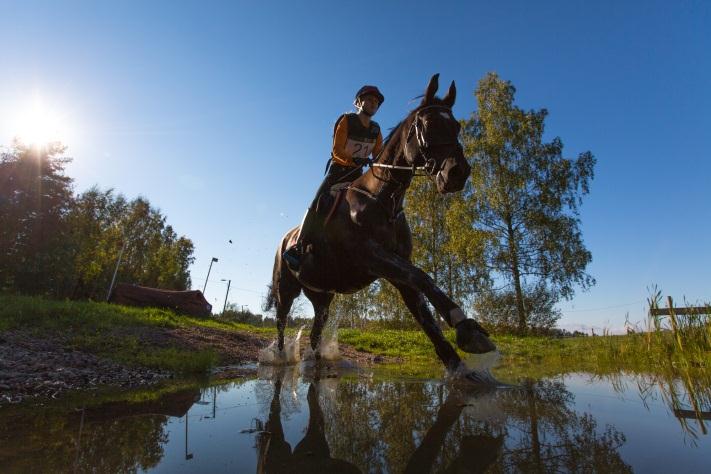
(334, 421)
(687, 395)
(114, 437)
(396, 427)
(311, 454)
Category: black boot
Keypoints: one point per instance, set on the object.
(293, 255)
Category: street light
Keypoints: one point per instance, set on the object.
(208, 274)
(229, 282)
(118, 262)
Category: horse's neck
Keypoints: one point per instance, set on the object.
(387, 181)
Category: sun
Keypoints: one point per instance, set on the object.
(38, 125)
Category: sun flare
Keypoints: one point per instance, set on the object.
(39, 124)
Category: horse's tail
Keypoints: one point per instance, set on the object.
(269, 300)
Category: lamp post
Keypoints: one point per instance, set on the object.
(208, 274)
(118, 262)
(229, 282)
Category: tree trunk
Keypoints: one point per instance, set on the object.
(520, 307)
(535, 440)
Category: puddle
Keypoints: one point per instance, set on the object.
(339, 419)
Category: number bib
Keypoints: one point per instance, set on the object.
(359, 148)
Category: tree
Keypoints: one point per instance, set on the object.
(35, 198)
(353, 309)
(498, 308)
(524, 199)
(102, 223)
(453, 263)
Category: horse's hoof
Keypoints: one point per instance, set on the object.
(479, 378)
(472, 338)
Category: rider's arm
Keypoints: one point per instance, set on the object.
(339, 153)
(378, 145)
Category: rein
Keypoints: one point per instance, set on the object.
(429, 167)
(413, 168)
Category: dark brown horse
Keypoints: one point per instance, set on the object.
(367, 236)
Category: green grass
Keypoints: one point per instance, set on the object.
(109, 330)
(686, 347)
(654, 352)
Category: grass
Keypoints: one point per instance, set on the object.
(109, 330)
(683, 345)
(656, 351)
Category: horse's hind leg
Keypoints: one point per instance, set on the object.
(321, 303)
(287, 289)
(415, 302)
(281, 317)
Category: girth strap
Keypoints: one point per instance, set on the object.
(393, 214)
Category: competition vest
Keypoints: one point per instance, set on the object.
(361, 140)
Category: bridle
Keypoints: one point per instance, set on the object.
(430, 167)
(430, 164)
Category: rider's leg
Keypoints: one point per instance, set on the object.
(471, 337)
(336, 174)
(292, 255)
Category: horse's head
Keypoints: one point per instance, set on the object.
(432, 140)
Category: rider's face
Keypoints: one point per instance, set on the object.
(369, 104)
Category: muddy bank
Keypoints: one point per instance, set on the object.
(46, 366)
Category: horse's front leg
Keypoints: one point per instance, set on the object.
(321, 303)
(415, 302)
(471, 337)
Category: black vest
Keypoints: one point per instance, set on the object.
(361, 140)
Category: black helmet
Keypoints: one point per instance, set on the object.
(370, 90)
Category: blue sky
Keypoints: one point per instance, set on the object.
(221, 114)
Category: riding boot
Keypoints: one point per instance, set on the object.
(292, 255)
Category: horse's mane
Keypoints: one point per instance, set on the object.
(392, 135)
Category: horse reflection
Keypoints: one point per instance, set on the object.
(476, 453)
(311, 455)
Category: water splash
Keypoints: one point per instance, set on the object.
(476, 368)
(271, 355)
(328, 346)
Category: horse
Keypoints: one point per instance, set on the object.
(366, 235)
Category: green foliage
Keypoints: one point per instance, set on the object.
(104, 223)
(498, 309)
(524, 198)
(233, 313)
(455, 265)
(59, 245)
(35, 199)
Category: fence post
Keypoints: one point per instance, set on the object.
(675, 327)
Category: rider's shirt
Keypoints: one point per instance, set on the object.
(352, 140)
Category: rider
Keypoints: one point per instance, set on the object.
(355, 138)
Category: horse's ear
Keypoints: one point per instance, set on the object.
(431, 90)
(451, 96)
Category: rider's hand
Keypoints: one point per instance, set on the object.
(361, 161)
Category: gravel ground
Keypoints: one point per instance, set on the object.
(44, 367)
(32, 366)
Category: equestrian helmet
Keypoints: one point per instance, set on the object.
(370, 90)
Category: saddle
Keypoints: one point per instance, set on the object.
(328, 202)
